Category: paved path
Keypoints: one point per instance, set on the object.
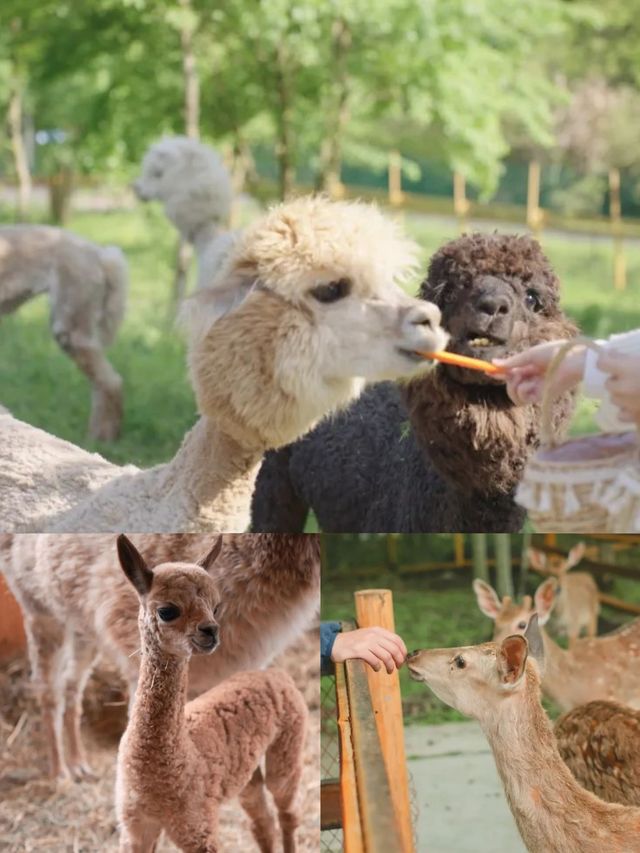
(462, 808)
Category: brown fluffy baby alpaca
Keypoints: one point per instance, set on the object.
(178, 761)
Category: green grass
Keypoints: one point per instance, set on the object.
(40, 385)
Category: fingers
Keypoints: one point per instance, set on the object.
(376, 646)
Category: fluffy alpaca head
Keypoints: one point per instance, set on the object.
(190, 179)
(498, 295)
(306, 308)
(178, 601)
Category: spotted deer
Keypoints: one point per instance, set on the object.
(578, 602)
(606, 667)
(498, 684)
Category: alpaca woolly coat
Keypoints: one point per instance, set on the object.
(444, 452)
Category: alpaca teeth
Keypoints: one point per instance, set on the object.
(480, 342)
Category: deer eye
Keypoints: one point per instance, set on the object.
(169, 612)
(459, 661)
(331, 292)
(522, 625)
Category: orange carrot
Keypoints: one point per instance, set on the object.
(463, 361)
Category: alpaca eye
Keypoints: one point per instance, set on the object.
(460, 662)
(331, 292)
(169, 612)
(216, 610)
(532, 300)
(522, 625)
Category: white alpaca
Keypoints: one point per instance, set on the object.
(305, 311)
(178, 761)
(270, 589)
(87, 287)
(194, 185)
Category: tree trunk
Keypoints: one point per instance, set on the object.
(284, 145)
(15, 121)
(479, 550)
(504, 580)
(60, 189)
(190, 72)
(337, 113)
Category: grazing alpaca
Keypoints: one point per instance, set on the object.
(194, 186)
(499, 685)
(446, 451)
(578, 601)
(87, 288)
(270, 592)
(605, 667)
(304, 312)
(600, 744)
(178, 761)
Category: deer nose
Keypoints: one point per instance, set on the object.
(413, 654)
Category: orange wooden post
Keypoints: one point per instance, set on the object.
(374, 607)
(12, 638)
(351, 826)
(395, 178)
(534, 212)
(458, 548)
(461, 204)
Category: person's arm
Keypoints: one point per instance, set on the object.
(328, 633)
(614, 378)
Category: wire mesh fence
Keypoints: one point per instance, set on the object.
(331, 839)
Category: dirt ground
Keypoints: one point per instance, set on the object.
(39, 814)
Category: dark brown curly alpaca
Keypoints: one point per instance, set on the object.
(445, 451)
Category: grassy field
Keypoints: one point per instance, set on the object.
(40, 385)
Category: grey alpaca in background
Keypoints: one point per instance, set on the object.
(445, 451)
(87, 289)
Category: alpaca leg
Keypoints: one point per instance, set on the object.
(284, 772)
(46, 640)
(106, 395)
(79, 667)
(137, 836)
(253, 801)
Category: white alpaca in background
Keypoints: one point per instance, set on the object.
(194, 185)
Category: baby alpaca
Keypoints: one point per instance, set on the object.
(87, 288)
(194, 186)
(604, 667)
(178, 761)
(499, 685)
(578, 601)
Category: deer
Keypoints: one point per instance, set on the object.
(578, 601)
(605, 667)
(498, 684)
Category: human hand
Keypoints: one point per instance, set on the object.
(375, 646)
(525, 371)
(623, 384)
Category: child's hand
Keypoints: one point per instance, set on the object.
(525, 372)
(376, 646)
(623, 384)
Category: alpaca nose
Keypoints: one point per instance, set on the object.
(209, 631)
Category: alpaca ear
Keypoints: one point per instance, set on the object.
(133, 565)
(534, 641)
(209, 559)
(512, 657)
(544, 599)
(575, 555)
(538, 559)
(487, 599)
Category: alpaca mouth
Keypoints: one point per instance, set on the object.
(475, 341)
(204, 648)
(411, 354)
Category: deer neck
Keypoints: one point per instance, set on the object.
(537, 783)
(156, 727)
(211, 479)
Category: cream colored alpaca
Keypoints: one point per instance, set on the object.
(195, 187)
(605, 667)
(305, 311)
(87, 287)
(499, 685)
(178, 761)
(578, 600)
(77, 605)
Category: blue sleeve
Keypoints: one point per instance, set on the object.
(328, 633)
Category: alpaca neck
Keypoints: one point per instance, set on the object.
(156, 724)
(537, 782)
(202, 236)
(212, 478)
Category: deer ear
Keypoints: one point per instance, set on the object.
(512, 657)
(534, 640)
(538, 559)
(576, 554)
(133, 565)
(209, 559)
(487, 598)
(544, 599)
